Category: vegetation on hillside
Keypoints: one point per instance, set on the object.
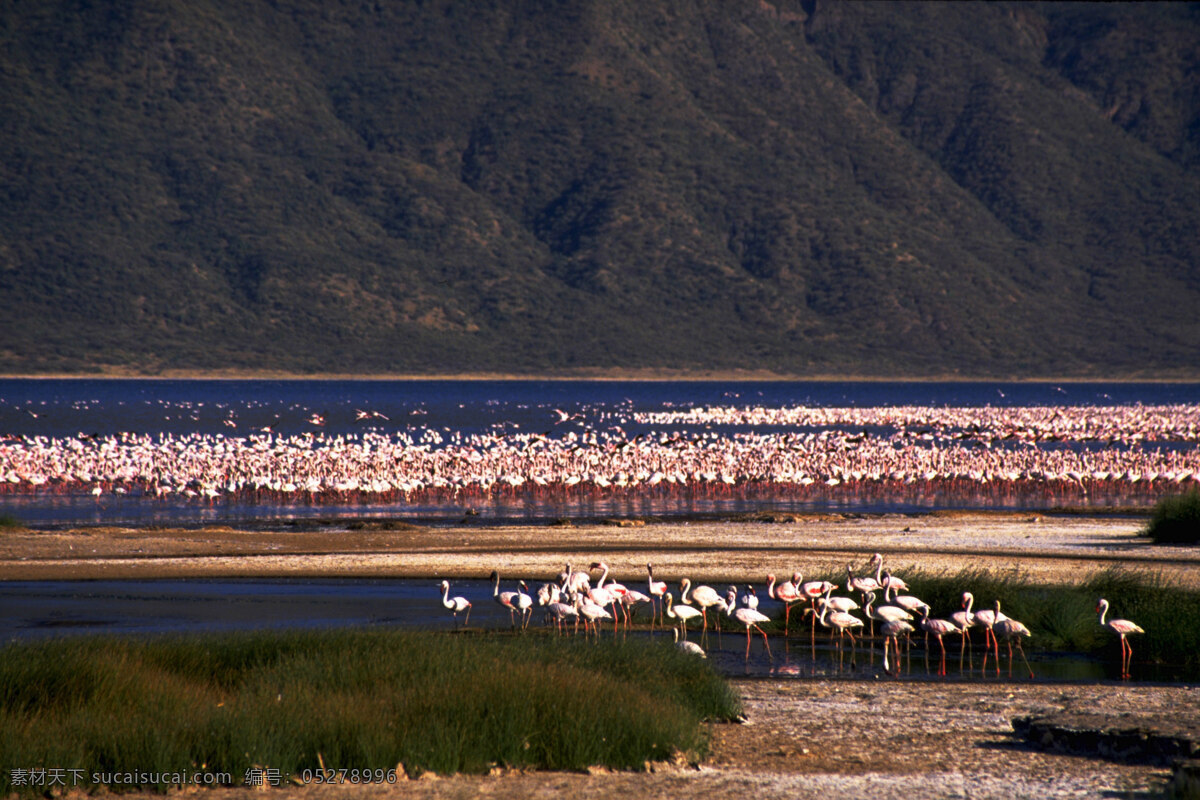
(919, 188)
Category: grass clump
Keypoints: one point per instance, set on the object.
(1064, 618)
(8, 522)
(364, 700)
(1175, 520)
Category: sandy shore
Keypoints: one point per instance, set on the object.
(1052, 549)
(887, 739)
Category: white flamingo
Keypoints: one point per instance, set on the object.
(748, 617)
(706, 597)
(524, 604)
(681, 613)
(456, 604)
(688, 647)
(843, 622)
(591, 612)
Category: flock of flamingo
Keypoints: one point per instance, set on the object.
(570, 599)
(1136, 451)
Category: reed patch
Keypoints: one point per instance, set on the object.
(359, 700)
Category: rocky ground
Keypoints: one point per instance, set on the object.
(803, 737)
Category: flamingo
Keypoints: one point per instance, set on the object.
(812, 590)
(843, 604)
(607, 595)
(909, 603)
(939, 628)
(1010, 629)
(591, 612)
(749, 617)
(506, 599)
(786, 593)
(630, 601)
(891, 630)
(862, 586)
(885, 613)
(690, 648)
(574, 580)
(750, 598)
(524, 604)
(964, 619)
(843, 622)
(1121, 627)
(681, 612)
(561, 612)
(455, 604)
(890, 581)
(706, 597)
(656, 589)
(987, 620)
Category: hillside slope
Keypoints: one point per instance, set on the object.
(887, 189)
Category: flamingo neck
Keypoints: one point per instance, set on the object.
(687, 587)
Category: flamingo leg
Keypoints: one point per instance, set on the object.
(1023, 658)
(766, 643)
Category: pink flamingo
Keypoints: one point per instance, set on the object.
(1010, 629)
(812, 590)
(786, 593)
(939, 628)
(1121, 627)
(965, 620)
(891, 630)
(506, 599)
(657, 589)
(987, 620)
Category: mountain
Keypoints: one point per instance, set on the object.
(869, 189)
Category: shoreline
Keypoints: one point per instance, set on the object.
(1043, 549)
(598, 375)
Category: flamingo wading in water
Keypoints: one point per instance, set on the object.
(748, 617)
(455, 604)
(1121, 627)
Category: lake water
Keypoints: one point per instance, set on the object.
(34, 610)
(228, 408)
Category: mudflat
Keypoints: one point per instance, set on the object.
(803, 737)
(1044, 548)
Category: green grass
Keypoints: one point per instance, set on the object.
(8, 522)
(1175, 520)
(349, 699)
(1063, 617)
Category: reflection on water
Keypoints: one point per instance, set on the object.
(32, 610)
